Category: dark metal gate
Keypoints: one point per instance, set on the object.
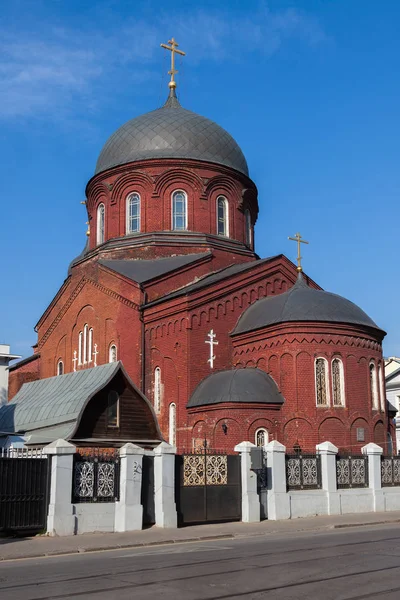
(208, 487)
(24, 493)
(149, 516)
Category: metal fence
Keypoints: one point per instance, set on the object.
(351, 472)
(96, 478)
(22, 453)
(303, 471)
(390, 471)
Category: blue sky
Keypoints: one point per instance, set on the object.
(310, 90)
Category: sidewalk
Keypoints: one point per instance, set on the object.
(39, 546)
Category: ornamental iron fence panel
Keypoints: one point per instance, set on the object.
(390, 471)
(351, 471)
(303, 472)
(96, 478)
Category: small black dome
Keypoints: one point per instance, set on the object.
(302, 303)
(245, 386)
(171, 132)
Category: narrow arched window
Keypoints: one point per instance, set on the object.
(172, 424)
(179, 211)
(101, 215)
(247, 224)
(222, 216)
(381, 388)
(157, 389)
(90, 345)
(261, 437)
(321, 382)
(80, 347)
(374, 386)
(60, 368)
(133, 213)
(85, 344)
(113, 409)
(337, 382)
(112, 353)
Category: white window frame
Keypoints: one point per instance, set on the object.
(248, 228)
(266, 436)
(133, 196)
(225, 218)
(80, 345)
(173, 212)
(327, 391)
(172, 424)
(101, 223)
(381, 387)
(373, 381)
(110, 350)
(60, 364)
(90, 345)
(341, 376)
(157, 390)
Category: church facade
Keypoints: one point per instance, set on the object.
(225, 346)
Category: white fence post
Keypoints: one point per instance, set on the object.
(250, 499)
(328, 453)
(278, 498)
(164, 485)
(374, 453)
(60, 518)
(128, 509)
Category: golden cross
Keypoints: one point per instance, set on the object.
(173, 48)
(297, 238)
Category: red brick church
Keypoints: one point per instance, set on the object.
(226, 346)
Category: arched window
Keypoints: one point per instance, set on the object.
(157, 389)
(247, 224)
(133, 213)
(112, 353)
(172, 424)
(381, 388)
(85, 344)
(321, 382)
(261, 437)
(113, 409)
(222, 216)
(101, 214)
(337, 382)
(80, 347)
(374, 386)
(179, 211)
(60, 368)
(90, 346)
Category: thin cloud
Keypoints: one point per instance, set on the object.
(45, 76)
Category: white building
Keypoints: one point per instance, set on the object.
(5, 358)
(392, 378)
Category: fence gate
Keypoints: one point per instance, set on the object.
(24, 493)
(208, 487)
(147, 499)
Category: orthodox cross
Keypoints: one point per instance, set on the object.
(297, 238)
(95, 353)
(213, 342)
(173, 48)
(74, 360)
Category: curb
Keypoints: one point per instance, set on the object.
(120, 547)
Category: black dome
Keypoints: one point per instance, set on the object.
(302, 303)
(237, 386)
(171, 132)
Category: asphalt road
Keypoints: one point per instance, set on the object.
(344, 564)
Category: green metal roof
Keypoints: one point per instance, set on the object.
(51, 408)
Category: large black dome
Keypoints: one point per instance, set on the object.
(171, 132)
(302, 303)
